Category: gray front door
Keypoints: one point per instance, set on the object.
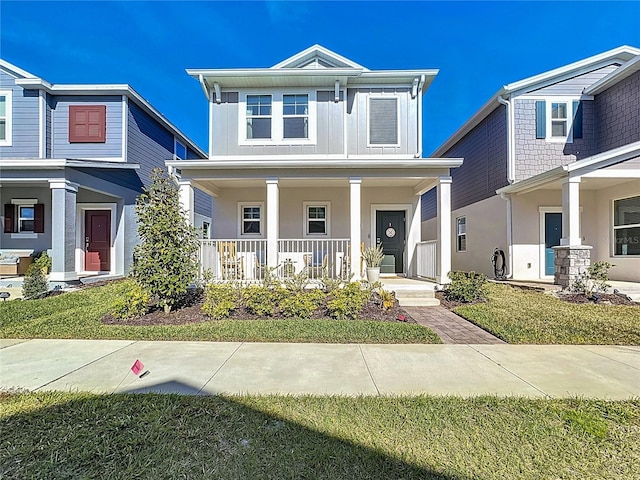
(552, 235)
(390, 231)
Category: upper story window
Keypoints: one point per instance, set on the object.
(383, 121)
(295, 113)
(87, 123)
(5, 117)
(179, 150)
(626, 226)
(559, 119)
(258, 116)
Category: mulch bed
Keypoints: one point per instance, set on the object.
(451, 304)
(601, 299)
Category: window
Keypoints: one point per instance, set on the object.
(205, 229)
(559, 120)
(461, 234)
(316, 218)
(24, 215)
(5, 117)
(179, 150)
(295, 113)
(626, 226)
(258, 116)
(383, 121)
(251, 219)
(87, 123)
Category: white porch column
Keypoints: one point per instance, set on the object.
(571, 212)
(187, 199)
(355, 202)
(444, 229)
(273, 221)
(63, 230)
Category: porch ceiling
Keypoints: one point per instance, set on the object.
(216, 184)
(587, 183)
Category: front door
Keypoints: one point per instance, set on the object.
(97, 227)
(552, 235)
(390, 231)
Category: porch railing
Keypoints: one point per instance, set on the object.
(427, 259)
(246, 260)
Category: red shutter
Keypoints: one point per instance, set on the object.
(38, 218)
(87, 123)
(9, 212)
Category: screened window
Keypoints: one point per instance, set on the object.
(461, 234)
(258, 116)
(626, 226)
(316, 219)
(295, 113)
(559, 120)
(251, 220)
(383, 121)
(5, 117)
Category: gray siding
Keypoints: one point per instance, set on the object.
(575, 85)
(330, 123)
(484, 169)
(617, 112)
(112, 148)
(429, 205)
(534, 156)
(43, 242)
(225, 125)
(203, 203)
(49, 126)
(25, 118)
(357, 110)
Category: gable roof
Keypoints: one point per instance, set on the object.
(620, 55)
(32, 82)
(628, 69)
(317, 56)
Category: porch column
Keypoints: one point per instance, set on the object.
(355, 202)
(63, 230)
(273, 221)
(571, 212)
(444, 230)
(187, 199)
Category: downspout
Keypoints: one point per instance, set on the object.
(420, 99)
(510, 179)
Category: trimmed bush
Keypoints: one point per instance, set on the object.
(34, 284)
(466, 287)
(300, 304)
(261, 300)
(220, 300)
(348, 302)
(134, 302)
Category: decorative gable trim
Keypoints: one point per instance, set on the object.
(323, 57)
(87, 123)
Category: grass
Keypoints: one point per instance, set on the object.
(524, 316)
(79, 314)
(62, 435)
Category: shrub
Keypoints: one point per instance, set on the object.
(220, 300)
(387, 299)
(594, 280)
(165, 262)
(261, 300)
(348, 301)
(134, 302)
(300, 304)
(297, 282)
(43, 261)
(466, 287)
(34, 284)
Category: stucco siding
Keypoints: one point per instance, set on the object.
(575, 85)
(617, 111)
(25, 120)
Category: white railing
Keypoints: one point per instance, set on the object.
(317, 258)
(427, 259)
(233, 260)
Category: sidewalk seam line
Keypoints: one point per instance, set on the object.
(220, 367)
(584, 347)
(85, 365)
(368, 369)
(510, 372)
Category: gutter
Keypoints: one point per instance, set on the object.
(510, 178)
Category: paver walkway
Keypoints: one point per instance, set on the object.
(450, 327)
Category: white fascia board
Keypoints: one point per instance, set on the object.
(399, 73)
(59, 163)
(268, 72)
(319, 49)
(618, 75)
(534, 182)
(15, 70)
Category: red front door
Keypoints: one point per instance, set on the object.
(97, 225)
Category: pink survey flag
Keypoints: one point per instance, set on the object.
(137, 367)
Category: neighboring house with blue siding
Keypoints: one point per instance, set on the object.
(310, 160)
(73, 160)
(551, 174)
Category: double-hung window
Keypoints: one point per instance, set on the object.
(558, 119)
(24, 216)
(258, 116)
(5, 117)
(626, 226)
(250, 219)
(461, 234)
(316, 218)
(295, 116)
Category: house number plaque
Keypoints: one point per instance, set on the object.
(390, 232)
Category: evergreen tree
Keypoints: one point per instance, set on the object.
(166, 261)
(34, 284)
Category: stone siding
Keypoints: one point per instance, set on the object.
(570, 262)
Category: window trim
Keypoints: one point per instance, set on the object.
(177, 142)
(8, 117)
(277, 117)
(102, 138)
(615, 227)
(568, 101)
(241, 207)
(327, 219)
(24, 202)
(460, 235)
(295, 115)
(383, 95)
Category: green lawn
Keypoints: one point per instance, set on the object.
(79, 314)
(524, 316)
(56, 435)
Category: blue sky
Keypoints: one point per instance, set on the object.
(478, 46)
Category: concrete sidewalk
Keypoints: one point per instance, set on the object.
(607, 372)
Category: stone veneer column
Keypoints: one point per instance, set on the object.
(570, 261)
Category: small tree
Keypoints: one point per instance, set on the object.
(34, 284)
(166, 260)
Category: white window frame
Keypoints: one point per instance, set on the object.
(259, 116)
(295, 115)
(327, 219)
(18, 203)
(277, 118)
(8, 118)
(177, 142)
(460, 235)
(383, 95)
(241, 207)
(615, 227)
(568, 138)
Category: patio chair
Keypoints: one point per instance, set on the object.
(231, 265)
(315, 263)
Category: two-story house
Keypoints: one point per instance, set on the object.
(551, 174)
(73, 160)
(309, 161)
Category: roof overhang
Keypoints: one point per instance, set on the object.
(620, 74)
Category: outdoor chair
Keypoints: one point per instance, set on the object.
(232, 267)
